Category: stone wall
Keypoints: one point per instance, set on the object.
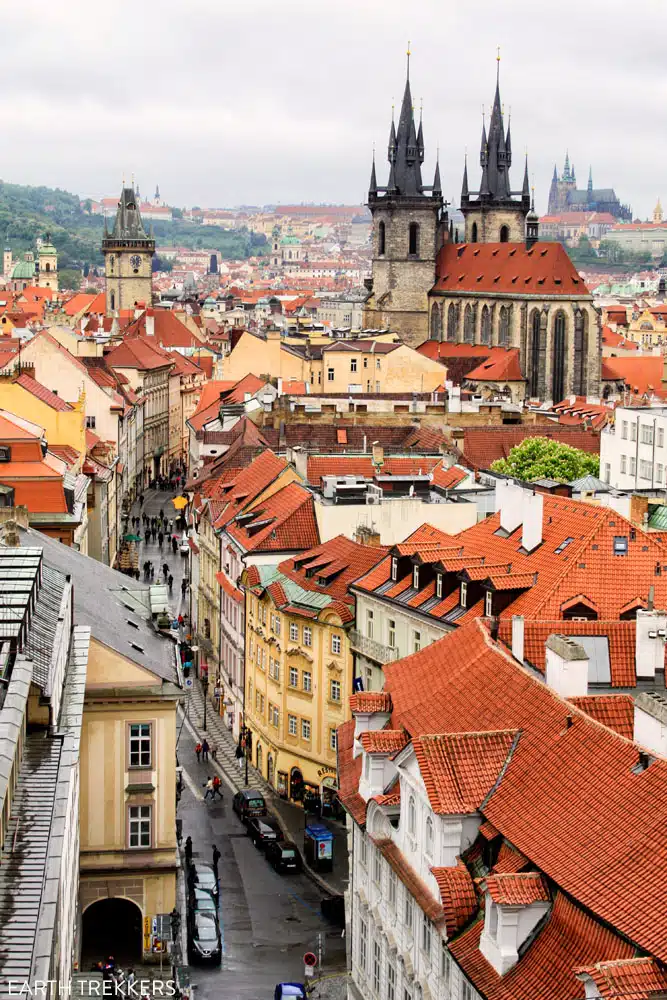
(126, 286)
(491, 220)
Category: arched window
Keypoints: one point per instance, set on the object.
(429, 836)
(558, 359)
(412, 815)
(504, 234)
(580, 353)
(452, 322)
(413, 239)
(473, 233)
(112, 298)
(48, 266)
(486, 325)
(535, 354)
(504, 326)
(381, 239)
(468, 325)
(435, 322)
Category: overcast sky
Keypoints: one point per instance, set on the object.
(258, 101)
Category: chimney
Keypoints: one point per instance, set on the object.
(650, 728)
(638, 508)
(150, 323)
(367, 536)
(533, 511)
(509, 501)
(517, 637)
(280, 386)
(300, 460)
(378, 453)
(650, 635)
(566, 666)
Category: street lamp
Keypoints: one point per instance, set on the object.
(204, 684)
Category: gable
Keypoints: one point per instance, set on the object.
(109, 669)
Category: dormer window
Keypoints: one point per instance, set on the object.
(438, 585)
(488, 604)
(415, 577)
(464, 595)
(394, 568)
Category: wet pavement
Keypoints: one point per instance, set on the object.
(268, 921)
(154, 502)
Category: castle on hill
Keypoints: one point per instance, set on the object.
(564, 196)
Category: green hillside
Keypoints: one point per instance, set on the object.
(28, 212)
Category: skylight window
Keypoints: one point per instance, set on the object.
(563, 545)
(620, 545)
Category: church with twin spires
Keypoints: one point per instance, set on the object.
(501, 287)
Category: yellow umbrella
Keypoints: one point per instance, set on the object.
(180, 502)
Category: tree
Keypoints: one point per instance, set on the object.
(69, 279)
(544, 458)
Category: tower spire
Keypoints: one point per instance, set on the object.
(373, 186)
(464, 185)
(408, 66)
(437, 185)
(525, 191)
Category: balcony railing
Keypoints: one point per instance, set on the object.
(371, 648)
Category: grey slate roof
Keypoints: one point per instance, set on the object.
(115, 608)
(589, 484)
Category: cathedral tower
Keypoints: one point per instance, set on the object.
(495, 213)
(128, 257)
(407, 233)
(47, 260)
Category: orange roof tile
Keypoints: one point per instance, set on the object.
(35, 388)
(449, 479)
(383, 740)
(332, 566)
(515, 888)
(627, 978)
(641, 375)
(460, 769)
(545, 269)
(570, 937)
(614, 710)
(411, 880)
(502, 365)
(457, 892)
(370, 701)
(509, 860)
(287, 520)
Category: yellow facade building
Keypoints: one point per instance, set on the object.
(299, 665)
(649, 328)
(64, 423)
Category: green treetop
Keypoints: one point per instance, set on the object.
(544, 458)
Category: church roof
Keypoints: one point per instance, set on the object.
(128, 224)
(25, 269)
(507, 268)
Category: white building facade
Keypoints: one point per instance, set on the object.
(633, 450)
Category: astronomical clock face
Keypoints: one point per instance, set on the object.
(135, 261)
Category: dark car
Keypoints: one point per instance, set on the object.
(262, 831)
(203, 901)
(247, 803)
(283, 855)
(201, 876)
(204, 942)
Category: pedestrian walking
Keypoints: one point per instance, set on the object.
(170, 583)
(239, 756)
(152, 572)
(204, 750)
(174, 544)
(208, 785)
(160, 539)
(165, 570)
(188, 849)
(216, 786)
(214, 752)
(216, 857)
(198, 750)
(141, 499)
(184, 587)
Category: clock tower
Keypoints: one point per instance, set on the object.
(128, 257)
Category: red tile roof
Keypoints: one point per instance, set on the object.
(628, 978)
(502, 365)
(287, 521)
(570, 938)
(65, 452)
(248, 384)
(138, 352)
(460, 769)
(362, 465)
(383, 740)
(370, 701)
(606, 849)
(621, 638)
(229, 588)
(449, 479)
(330, 568)
(457, 892)
(349, 772)
(614, 710)
(35, 388)
(545, 269)
(169, 331)
(482, 446)
(509, 860)
(515, 888)
(641, 375)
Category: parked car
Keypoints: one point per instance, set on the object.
(283, 855)
(203, 901)
(203, 877)
(204, 942)
(262, 831)
(295, 991)
(247, 803)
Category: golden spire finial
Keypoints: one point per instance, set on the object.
(408, 54)
(498, 65)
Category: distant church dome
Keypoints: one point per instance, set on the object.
(24, 271)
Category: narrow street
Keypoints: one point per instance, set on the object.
(268, 921)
